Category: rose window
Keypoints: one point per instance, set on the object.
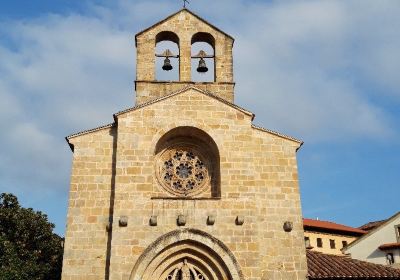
(183, 171)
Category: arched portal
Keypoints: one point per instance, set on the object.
(187, 254)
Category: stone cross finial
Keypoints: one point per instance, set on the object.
(184, 3)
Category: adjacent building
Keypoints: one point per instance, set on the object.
(371, 225)
(332, 267)
(328, 237)
(381, 245)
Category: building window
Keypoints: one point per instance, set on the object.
(184, 170)
(397, 227)
(389, 258)
(187, 163)
(307, 241)
(332, 243)
(344, 243)
(319, 242)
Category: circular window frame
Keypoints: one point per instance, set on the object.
(168, 153)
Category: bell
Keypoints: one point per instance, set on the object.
(167, 64)
(202, 66)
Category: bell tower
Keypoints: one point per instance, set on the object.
(184, 30)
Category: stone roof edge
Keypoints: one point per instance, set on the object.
(278, 134)
(370, 232)
(181, 91)
(170, 16)
(89, 131)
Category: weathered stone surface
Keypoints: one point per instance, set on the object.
(148, 90)
(253, 175)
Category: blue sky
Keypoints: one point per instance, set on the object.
(326, 72)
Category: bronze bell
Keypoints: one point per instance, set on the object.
(202, 66)
(167, 64)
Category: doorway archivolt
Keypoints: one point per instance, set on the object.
(187, 254)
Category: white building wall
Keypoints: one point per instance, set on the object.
(367, 247)
(397, 258)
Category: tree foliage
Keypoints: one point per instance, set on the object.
(28, 247)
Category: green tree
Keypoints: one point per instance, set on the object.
(28, 247)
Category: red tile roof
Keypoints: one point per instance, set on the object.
(372, 225)
(388, 246)
(323, 266)
(329, 227)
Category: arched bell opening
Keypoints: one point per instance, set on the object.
(167, 56)
(187, 254)
(203, 57)
(188, 163)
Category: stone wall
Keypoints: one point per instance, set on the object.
(114, 190)
(258, 182)
(149, 90)
(85, 248)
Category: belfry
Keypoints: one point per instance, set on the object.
(182, 185)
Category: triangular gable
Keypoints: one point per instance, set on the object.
(191, 13)
(158, 100)
(182, 91)
(395, 216)
(185, 89)
(220, 100)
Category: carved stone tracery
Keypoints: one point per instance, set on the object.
(185, 271)
(183, 170)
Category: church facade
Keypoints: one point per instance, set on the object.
(183, 185)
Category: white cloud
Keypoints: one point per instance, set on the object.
(307, 63)
(298, 65)
(59, 74)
